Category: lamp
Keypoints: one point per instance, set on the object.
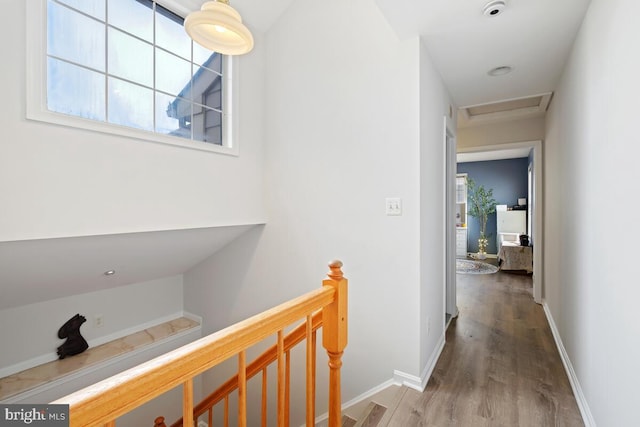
(218, 27)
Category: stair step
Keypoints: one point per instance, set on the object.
(347, 421)
(371, 416)
(393, 405)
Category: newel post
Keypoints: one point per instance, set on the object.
(334, 337)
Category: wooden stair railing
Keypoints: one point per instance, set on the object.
(102, 403)
(259, 365)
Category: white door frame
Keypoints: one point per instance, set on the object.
(450, 168)
(536, 202)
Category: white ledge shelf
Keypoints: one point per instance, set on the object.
(40, 375)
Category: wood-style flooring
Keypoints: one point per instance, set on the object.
(499, 367)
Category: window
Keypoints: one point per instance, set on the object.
(128, 67)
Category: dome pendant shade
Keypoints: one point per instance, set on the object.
(218, 27)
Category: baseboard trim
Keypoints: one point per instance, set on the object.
(408, 380)
(420, 383)
(367, 394)
(583, 406)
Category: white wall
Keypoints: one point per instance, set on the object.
(60, 182)
(344, 130)
(591, 156)
(435, 105)
(30, 332)
(343, 133)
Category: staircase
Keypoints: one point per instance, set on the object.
(371, 417)
(326, 307)
(377, 410)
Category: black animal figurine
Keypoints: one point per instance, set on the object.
(75, 343)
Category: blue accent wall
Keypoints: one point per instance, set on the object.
(508, 178)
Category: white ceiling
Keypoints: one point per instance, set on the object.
(532, 36)
(257, 15)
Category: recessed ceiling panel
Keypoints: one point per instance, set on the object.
(504, 110)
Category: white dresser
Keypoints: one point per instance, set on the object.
(461, 242)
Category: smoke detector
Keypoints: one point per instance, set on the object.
(494, 8)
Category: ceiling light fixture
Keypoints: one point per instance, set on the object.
(109, 272)
(500, 71)
(494, 8)
(218, 27)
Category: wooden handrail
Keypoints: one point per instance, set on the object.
(103, 402)
(256, 367)
(265, 359)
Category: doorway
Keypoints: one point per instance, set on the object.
(512, 150)
(450, 303)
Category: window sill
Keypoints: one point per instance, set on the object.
(39, 113)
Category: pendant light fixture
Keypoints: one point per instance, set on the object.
(218, 27)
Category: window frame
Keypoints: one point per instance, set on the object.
(36, 91)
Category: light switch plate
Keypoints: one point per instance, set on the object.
(393, 206)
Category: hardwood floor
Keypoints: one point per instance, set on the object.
(499, 367)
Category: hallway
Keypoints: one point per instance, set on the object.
(499, 367)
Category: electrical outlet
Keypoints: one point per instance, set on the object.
(98, 321)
